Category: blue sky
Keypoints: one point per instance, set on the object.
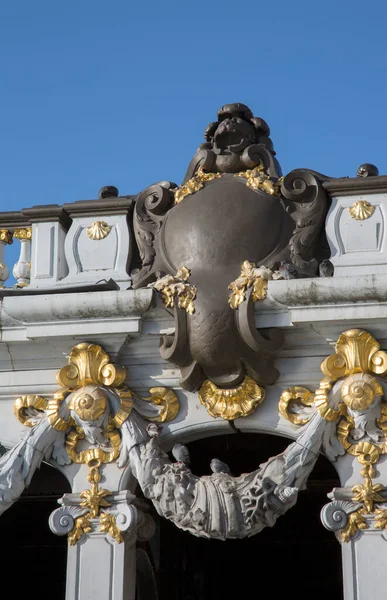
(118, 93)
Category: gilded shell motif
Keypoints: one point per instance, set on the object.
(361, 210)
(98, 230)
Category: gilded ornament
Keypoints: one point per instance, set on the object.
(356, 352)
(257, 179)
(175, 288)
(107, 524)
(6, 236)
(23, 233)
(194, 184)
(290, 402)
(361, 210)
(169, 402)
(357, 359)
(98, 230)
(231, 403)
(89, 363)
(26, 402)
(356, 522)
(89, 402)
(359, 393)
(251, 276)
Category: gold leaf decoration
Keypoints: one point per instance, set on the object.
(194, 184)
(81, 527)
(251, 276)
(292, 401)
(361, 210)
(231, 403)
(22, 233)
(356, 522)
(168, 401)
(6, 236)
(173, 287)
(357, 360)
(24, 402)
(107, 524)
(98, 230)
(257, 179)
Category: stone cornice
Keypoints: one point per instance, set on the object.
(91, 208)
(348, 186)
(49, 213)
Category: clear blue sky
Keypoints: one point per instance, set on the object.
(118, 92)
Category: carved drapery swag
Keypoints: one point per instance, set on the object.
(345, 414)
(234, 208)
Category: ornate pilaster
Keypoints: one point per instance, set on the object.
(102, 561)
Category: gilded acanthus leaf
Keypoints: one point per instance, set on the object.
(171, 287)
(107, 524)
(251, 276)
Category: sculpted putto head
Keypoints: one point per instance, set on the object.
(234, 137)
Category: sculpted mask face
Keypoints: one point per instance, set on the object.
(233, 134)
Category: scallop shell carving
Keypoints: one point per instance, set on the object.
(361, 210)
(231, 403)
(98, 230)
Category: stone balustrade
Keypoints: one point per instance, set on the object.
(80, 244)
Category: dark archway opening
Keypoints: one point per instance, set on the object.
(297, 558)
(33, 559)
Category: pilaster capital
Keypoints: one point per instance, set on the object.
(124, 518)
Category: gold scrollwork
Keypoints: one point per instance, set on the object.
(194, 184)
(98, 230)
(89, 363)
(257, 179)
(24, 402)
(231, 403)
(290, 402)
(361, 210)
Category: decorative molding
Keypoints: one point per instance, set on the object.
(361, 210)
(98, 230)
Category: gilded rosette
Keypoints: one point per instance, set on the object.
(231, 403)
